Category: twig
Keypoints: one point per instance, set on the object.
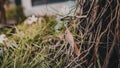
(73, 17)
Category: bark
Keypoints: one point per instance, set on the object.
(2, 12)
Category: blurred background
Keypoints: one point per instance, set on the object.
(13, 11)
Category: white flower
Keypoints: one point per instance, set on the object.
(2, 38)
(31, 20)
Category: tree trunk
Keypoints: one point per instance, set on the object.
(2, 12)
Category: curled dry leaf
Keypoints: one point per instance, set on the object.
(70, 39)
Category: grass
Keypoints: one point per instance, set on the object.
(32, 46)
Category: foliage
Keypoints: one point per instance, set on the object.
(15, 13)
(29, 46)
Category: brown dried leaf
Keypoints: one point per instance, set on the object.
(76, 50)
(70, 39)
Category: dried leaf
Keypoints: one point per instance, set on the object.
(70, 39)
(76, 50)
